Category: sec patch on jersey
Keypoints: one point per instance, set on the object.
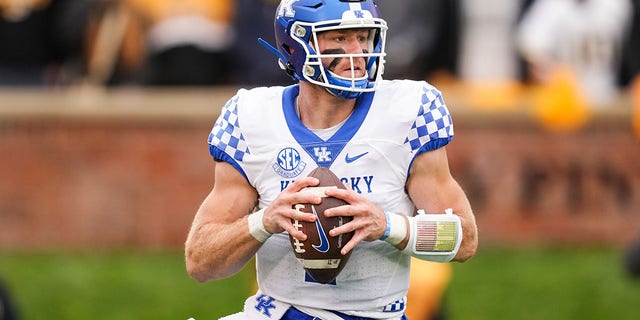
(320, 253)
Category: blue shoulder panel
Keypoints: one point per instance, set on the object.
(433, 127)
(226, 142)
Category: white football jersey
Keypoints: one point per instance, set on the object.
(260, 134)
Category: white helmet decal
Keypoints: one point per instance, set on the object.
(285, 9)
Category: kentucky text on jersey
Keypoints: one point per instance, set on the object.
(360, 184)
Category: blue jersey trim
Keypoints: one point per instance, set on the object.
(311, 142)
(434, 144)
(220, 155)
(429, 146)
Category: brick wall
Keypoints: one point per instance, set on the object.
(100, 184)
(121, 169)
(535, 187)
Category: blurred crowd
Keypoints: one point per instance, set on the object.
(134, 42)
(485, 43)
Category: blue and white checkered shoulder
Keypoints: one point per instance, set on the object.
(433, 127)
(226, 136)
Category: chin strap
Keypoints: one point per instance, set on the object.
(288, 68)
(272, 49)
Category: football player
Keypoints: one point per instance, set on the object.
(583, 36)
(384, 139)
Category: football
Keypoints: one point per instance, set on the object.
(320, 253)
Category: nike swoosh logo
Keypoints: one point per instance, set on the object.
(348, 159)
(324, 242)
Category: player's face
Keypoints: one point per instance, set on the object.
(347, 41)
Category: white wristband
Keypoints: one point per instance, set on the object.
(396, 228)
(256, 226)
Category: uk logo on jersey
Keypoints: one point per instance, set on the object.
(265, 304)
(322, 154)
(288, 163)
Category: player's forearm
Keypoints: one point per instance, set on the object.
(216, 251)
(469, 243)
(462, 208)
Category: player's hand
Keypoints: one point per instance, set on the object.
(368, 222)
(279, 214)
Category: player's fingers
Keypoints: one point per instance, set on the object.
(297, 214)
(337, 193)
(289, 218)
(344, 211)
(355, 240)
(367, 228)
(278, 219)
(296, 193)
(299, 198)
(294, 217)
(295, 233)
(283, 216)
(289, 199)
(352, 210)
(347, 195)
(302, 183)
(345, 228)
(362, 228)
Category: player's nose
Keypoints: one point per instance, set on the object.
(353, 45)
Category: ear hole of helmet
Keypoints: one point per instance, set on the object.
(287, 48)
